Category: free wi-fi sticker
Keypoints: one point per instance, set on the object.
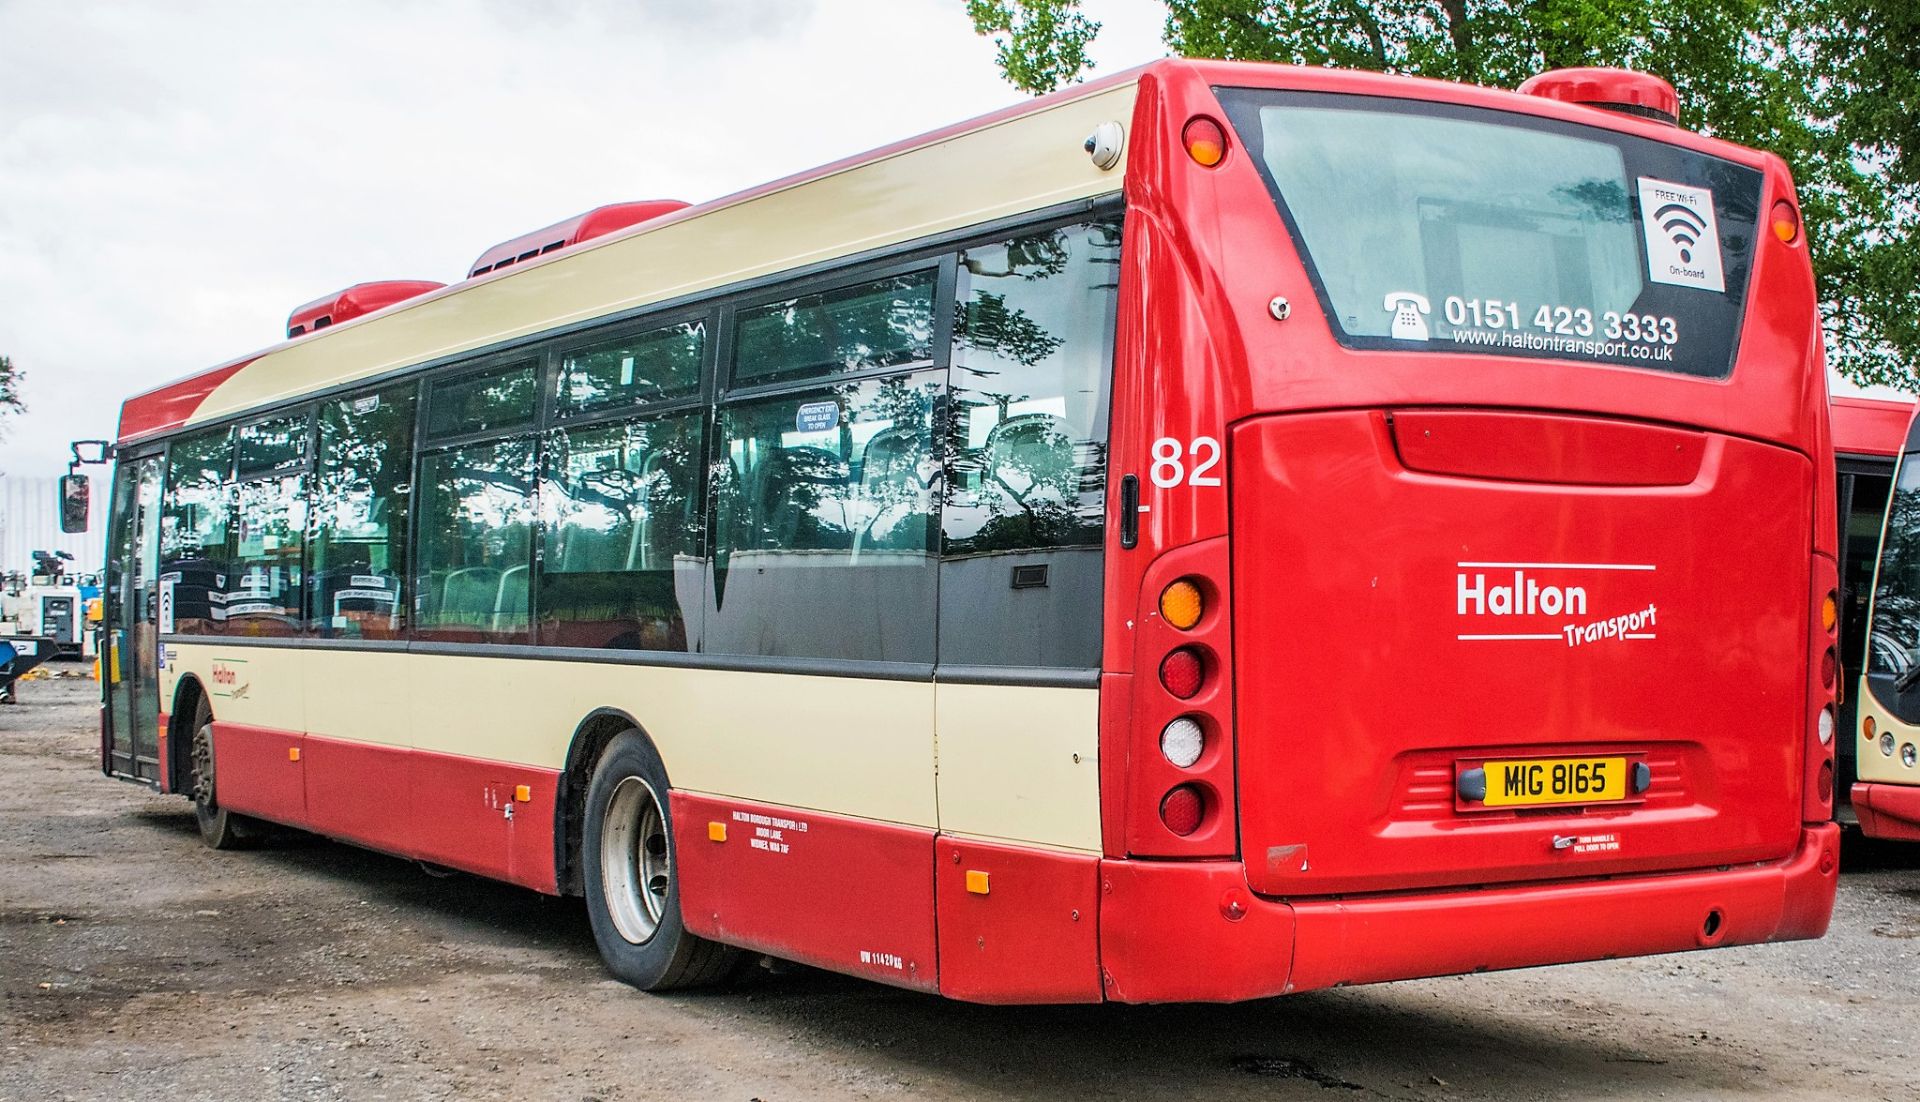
(1683, 240)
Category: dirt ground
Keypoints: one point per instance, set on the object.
(134, 964)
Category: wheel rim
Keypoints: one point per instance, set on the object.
(203, 765)
(636, 870)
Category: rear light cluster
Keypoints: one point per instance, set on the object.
(1823, 694)
(1181, 777)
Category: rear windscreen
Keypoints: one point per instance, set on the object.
(1444, 228)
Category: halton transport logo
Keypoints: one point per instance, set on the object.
(1548, 601)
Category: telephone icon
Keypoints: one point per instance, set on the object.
(1408, 309)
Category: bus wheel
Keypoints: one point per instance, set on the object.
(219, 828)
(633, 896)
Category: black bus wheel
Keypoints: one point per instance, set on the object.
(633, 895)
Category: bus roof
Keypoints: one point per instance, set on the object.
(1870, 426)
(908, 190)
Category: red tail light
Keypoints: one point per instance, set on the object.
(1829, 668)
(1182, 672)
(1182, 810)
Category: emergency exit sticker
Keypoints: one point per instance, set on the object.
(1683, 240)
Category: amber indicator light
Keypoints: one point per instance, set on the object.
(1206, 142)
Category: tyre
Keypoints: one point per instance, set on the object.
(633, 895)
(219, 828)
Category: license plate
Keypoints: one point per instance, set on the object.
(1555, 781)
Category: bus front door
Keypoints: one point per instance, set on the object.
(130, 661)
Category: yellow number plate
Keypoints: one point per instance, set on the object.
(1555, 781)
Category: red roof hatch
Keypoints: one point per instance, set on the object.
(361, 298)
(1622, 90)
(581, 227)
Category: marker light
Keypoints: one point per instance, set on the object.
(1866, 728)
(1826, 726)
(1786, 222)
(1182, 741)
(1829, 668)
(1206, 143)
(1181, 604)
(1181, 810)
(1182, 671)
(1886, 743)
(1908, 755)
(1829, 613)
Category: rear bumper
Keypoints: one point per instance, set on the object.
(1890, 811)
(1192, 932)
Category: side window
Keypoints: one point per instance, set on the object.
(1026, 450)
(265, 590)
(195, 510)
(358, 552)
(490, 401)
(659, 363)
(621, 513)
(825, 513)
(476, 536)
(882, 323)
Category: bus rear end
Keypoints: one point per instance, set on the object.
(1477, 601)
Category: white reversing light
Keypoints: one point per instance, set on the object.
(1826, 726)
(1182, 742)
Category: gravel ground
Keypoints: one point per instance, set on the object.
(134, 964)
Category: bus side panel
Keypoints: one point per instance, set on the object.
(849, 895)
(1017, 925)
(358, 792)
(467, 815)
(258, 771)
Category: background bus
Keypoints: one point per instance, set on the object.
(1276, 499)
(1886, 736)
(1868, 434)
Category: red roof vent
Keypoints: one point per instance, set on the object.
(584, 227)
(361, 298)
(1621, 90)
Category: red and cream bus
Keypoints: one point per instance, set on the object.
(1868, 434)
(1886, 737)
(1217, 531)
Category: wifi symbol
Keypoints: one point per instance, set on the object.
(1683, 226)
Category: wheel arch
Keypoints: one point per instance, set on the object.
(187, 696)
(590, 739)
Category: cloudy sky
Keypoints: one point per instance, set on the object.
(175, 178)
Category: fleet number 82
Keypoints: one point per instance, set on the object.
(1175, 463)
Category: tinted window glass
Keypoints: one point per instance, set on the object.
(659, 363)
(359, 550)
(490, 401)
(622, 517)
(476, 535)
(885, 323)
(1446, 228)
(825, 513)
(271, 445)
(193, 528)
(1020, 574)
(264, 583)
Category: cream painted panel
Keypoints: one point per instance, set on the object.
(256, 686)
(1020, 763)
(1002, 169)
(842, 745)
(359, 695)
(1872, 764)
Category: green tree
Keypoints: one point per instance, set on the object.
(1827, 84)
(10, 377)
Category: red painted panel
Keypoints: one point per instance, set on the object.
(1868, 426)
(849, 895)
(258, 772)
(464, 816)
(1538, 447)
(360, 792)
(1371, 940)
(1032, 937)
(1190, 931)
(1890, 811)
(1394, 625)
(169, 406)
